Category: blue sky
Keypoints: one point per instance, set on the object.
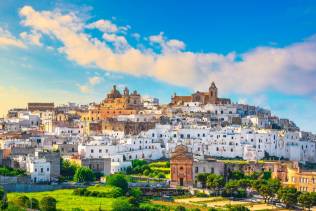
(258, 52)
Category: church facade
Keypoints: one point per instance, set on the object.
(210, 97)
(114, 104)
(181, 163)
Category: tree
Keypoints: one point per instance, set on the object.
(288, 196)
(202, 178)
(48, 203)
(121, 204)
(84, 174)
(136, 196)
(3, 199)
(237, 175)
(118, 180)
(129, 170)
(313, 195)
(245, 183)
(67, 169)
(268, 189)
(306, 200)
(266, 192)
(215, 182)
(231, 187)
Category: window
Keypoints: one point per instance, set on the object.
(91, 150)
(47, 169)
(42, 170)
(196, 169)
(100, 150)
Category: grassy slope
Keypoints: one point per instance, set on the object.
(67, 201)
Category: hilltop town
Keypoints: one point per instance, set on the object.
(197, 134)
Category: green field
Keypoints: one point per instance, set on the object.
(66, 201)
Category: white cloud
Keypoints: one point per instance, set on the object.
(137, 36)
(157, 38)
(105, 26)
(291, 69)
(84, 89)
(95, 80)
(33, 37)
(7, 39)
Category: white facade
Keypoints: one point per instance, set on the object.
(121, 150)
(231, 142)
(39, 170)
(67, 131)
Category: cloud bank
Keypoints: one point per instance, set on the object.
(291, 69)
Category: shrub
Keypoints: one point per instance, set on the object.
(201, 194)
(237, 208)
(180, 208)
(48, 203)
(22, 201)
(34, 203)
(121, 204)
(161, 175)
(13, 207)
(146, 172)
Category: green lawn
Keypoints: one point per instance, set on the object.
(66, 201)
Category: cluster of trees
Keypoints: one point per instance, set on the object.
(71, 171)
(141, 167)
(226, 208)
(7, 171)
(47, 203)
(237, 185)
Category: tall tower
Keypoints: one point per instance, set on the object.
(212, 93)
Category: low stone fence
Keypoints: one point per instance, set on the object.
(14, 179)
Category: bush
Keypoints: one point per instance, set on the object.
(180, 208)
(22, 201)
(13, 207)
(161, 175)
(34, 203)
(153, 207)
(109, 192)
(201, 194)
(121, 204)
(48, 203)
(237, 208)
(146, 172)
(118, 180)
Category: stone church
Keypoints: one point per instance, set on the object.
(210, 97)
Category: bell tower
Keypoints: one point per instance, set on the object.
(212, 93)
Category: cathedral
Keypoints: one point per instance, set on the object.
(210, 97)
(115, 104)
